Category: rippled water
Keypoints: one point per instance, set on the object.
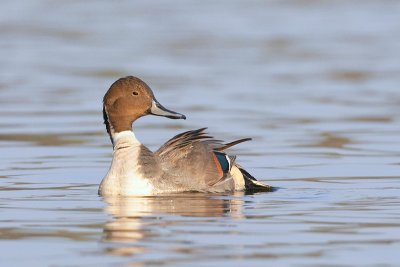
(314, 82)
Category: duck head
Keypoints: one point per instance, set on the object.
(128, 99)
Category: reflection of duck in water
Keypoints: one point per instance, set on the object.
(135, 218)
(191, 161)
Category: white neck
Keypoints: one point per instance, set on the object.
(125, 139)
(124, 176)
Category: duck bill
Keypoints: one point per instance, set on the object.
(158, 110)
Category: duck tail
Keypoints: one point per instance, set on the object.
(252, 185)
(234, 143)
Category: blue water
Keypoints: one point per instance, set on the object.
(314, 83)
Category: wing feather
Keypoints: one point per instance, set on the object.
(191, 156)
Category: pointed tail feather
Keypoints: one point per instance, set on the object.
(228, 145)
(252, 185)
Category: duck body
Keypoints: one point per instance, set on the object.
(190, 161)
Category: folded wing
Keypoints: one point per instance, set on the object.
(197, 161)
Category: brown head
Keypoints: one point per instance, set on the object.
(127, 100)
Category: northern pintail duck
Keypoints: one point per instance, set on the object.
(190, 161)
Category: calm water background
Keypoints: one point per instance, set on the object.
(314, 82)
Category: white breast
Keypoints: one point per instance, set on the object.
(124, 177)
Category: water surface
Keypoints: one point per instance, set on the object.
(314, 83)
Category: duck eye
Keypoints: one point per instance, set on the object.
(135, 93)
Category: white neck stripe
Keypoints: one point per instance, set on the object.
(125, 137)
